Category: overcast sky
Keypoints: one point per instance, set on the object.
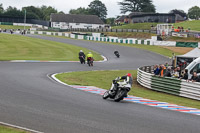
(162, 6)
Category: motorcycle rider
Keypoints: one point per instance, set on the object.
(89, 57)
(81, 56)
(127, 79)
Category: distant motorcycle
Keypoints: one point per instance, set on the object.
(90, 61)
(82, 60)
(118, 90)
(117, 54)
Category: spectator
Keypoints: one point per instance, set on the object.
(168, 72)
(162, 70)
(179, 71)
(175, 73)
(166, 65)
(185, 75)
(194, 77)
(156, 70)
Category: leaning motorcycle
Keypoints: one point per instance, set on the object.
(118, 90)
(117, 54)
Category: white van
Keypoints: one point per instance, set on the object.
(194, 66)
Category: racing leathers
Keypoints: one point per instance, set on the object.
(89, 57)
(127, 82)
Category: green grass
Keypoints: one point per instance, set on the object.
(104, 80)
(17, 47)
(130, 34)
(193, 25)
(13, 27)
(183, 39)
(4, 129)
(139, 26)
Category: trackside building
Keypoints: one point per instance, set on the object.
(70, 21)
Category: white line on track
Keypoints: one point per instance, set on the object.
(18, 127)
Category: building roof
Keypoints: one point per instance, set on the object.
(74, 18)
(136, 13)
(121, 18)
(195, 53)
(132, 15)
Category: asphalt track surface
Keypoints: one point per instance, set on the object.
(28, 98)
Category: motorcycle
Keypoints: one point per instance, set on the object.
(117, 54)
(90, 61)
(118, 90)
(82, 60)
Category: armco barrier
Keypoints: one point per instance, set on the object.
(111, 39)
(168, 85)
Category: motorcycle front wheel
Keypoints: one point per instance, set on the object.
(120, 95)
(106, 95)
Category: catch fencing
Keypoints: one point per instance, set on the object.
(168, 85)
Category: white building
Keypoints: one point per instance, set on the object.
(68, 21)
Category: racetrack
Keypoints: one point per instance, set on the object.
(30, 99)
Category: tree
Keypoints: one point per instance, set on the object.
(1, 9)
(47, 12)
(13, 12)
(61, 12)
(110, 21)
(33, 12)
(137, 6)
(96, 7)
(80, 10)
(194, 12)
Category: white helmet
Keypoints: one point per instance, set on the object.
(81, 50)
(89, 52)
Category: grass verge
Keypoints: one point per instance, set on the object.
(138, 26)
(130, 34)
(104, 80)
(5, 129)
(14, 27)
(17, 47)
(193, 25)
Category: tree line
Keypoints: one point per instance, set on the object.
(40, 13)
(96, 7)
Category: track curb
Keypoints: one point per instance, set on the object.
(134, 99)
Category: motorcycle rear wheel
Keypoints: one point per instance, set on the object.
(120, 95)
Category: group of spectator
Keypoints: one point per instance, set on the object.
(175, 72)
(180, 29)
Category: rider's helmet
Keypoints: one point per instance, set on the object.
(81, 50)
(89, 52)
(128, 74)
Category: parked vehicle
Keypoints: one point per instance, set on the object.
(118, 90)
(194, 66)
